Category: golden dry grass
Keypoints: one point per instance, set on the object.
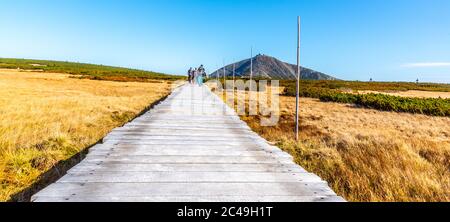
(364, 154)
(48, 117)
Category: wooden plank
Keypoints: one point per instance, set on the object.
(150, 116)
(179, 189)
(205, 124)
(184, 128)
(189, 177)
(190, 142)
(178, 134)
(193, 198)
(119, 146)
(179, 137)
(171, 167)
(218, 132)
(187, 119)
(182, 152)
(178, 126)
(187, 159)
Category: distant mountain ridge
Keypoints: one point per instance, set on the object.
(270, 68)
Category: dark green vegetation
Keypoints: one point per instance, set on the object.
(335, 91)
(89, 71)
(375, 86)
(428, 106)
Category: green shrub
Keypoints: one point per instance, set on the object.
(428, 106)
(329, 91)
(357, 85)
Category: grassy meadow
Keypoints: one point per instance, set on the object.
(366, 154)
(87, 71)
(46, 118)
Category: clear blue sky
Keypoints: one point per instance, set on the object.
(387, 40)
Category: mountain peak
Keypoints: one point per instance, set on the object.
(269, 67)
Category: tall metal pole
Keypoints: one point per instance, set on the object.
(251, 66)
(217, 73)
(234, 72)
(224, 74)
(298, 81)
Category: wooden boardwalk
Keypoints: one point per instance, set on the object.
(190, 148)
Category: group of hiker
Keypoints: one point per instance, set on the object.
(196, 75)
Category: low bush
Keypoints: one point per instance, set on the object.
(427, 106)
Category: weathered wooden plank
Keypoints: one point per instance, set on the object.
(119, 146)
(179, 134)
(187, 121)
(172, 167)
(183, 116)
(189, 177)
(179, 126)
(190, 142)
(180, 189)
(182, 152)
(187, 159)
(221, 122)
(193, 198)
(206, 138)
(217, 132)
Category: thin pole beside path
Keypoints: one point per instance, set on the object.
(298, 81)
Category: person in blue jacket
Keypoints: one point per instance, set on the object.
(199, 78)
